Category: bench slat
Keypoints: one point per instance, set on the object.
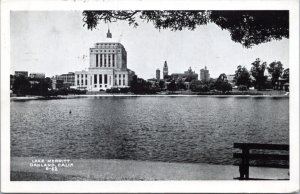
(261, 146)
(284, 166)
(263, 156)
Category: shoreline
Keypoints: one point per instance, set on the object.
(117, 169)
(25, 98)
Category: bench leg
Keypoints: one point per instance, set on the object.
(244, 166)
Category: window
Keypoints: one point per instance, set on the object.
(100, 79)
(96, 60)
(123, 82)
(77, 82)
(123, 75)
(113, 60)
(86, 82)
(105, 78)
(119, 82)
(104, 60)
(95, 79)
(100, 60)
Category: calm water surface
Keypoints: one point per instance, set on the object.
(171, 129)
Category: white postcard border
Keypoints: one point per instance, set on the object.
(151, 186)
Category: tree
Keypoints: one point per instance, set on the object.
(242, 76)
(172, 86)
(286, 74)
(258, 72)
(246, 27)
(21, 86)
(275, 69)
(140, 86)
(161, 84)
(222, 83)
(180, 84)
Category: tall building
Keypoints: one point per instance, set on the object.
(204, 74)
(108, 67)
(157, 74)
(165, 69)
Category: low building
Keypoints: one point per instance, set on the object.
(37, 75)
(57, 83)
(230, 79)
(153, 82)
(68, 78)
(187, 76)
(282, 84)
(21, 73)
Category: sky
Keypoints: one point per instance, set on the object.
(56, 42)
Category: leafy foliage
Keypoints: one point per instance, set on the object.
(161, 84)
(246, 27)
(21, 86)
(140, 86)
(275, 69)
(286, 74)
(222, 84)
(253, 27)
(199, 86)
(172, 86)
(258, 72)
(242, 76)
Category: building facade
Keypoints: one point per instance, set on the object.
(230, 79)
(21, 73)
(68, 78)
(204, 74)
(108, 67)
(188, 75)
(37, 75)
(165, 70)
(157, 74)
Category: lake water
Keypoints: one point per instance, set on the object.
(171, 129)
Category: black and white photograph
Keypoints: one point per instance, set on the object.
(115, 95)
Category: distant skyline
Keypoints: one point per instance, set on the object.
(55, 42)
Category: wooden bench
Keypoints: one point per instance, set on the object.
(245, 157)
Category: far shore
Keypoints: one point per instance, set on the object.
(23, 98)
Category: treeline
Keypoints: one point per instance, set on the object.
(243, 79)
(23, 86)
(275, 69)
